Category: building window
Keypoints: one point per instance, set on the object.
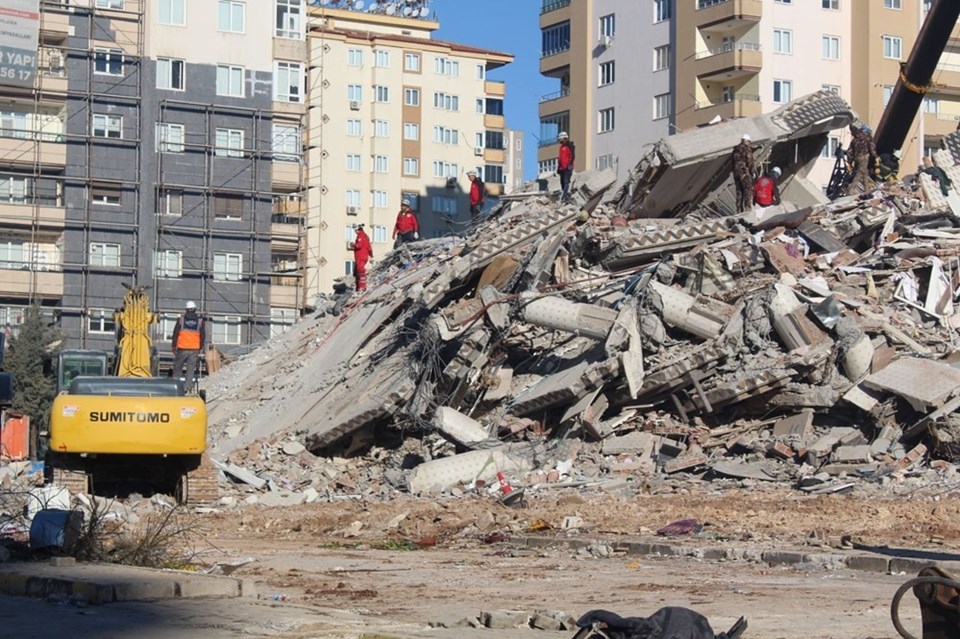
(493, 173)
(381, 59)
(830, 147)
(227, 206)
(380, 199)
(170, 202)
(547, 166)
(286, 142)
(230, 16)
(782, 91)
(229, 143)
(661, 106)
(887, 93)
(108, 61)
(604, 161)
(355, 93)
(831, 88)
(411, 62)
(783, 41)
(662, 10)
(354, 128)
(480, 105)
(381, 93)
(605, 120)
(608, 26)
(493, 106)
(226, 329)
(381, 129)
(352, 198)
(728, 93)
(109, 4)
(443, 204)
(101, 321)
(379, 234)
(380, 164)
(555, 39)
(348, 267)
(355, 57)
(170, 74)
(230, 81)
(107, 126)
(227, 267)
(892, 47)
(411, 97)
(892, 4)
(172, 12)
(446, 102)
(446, 66)
(103, 254)
(12, 254)
(519, 144)
(607, 73)
(446, 169)
(353, 162)
(287, 81)
(931, 105)
(169, 138)
(481, 72)
(830, 4)
(411, 166)
(661, 57)
(783, 1)
(411, 131)
(14, 189)
(105, 194)
(168, 263)
(445, 135)
(281, 319)
(494, 140)
(831, 47)
(289, 22)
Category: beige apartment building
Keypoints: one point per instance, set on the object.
(393, 114)
(722, 59)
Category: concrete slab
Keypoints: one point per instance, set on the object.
(459, 428)
(466, 468)
(924, 383)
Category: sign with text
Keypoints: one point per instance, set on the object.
(19, 33)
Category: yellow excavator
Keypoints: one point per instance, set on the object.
(131, 431)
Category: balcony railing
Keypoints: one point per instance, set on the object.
(730, 46)
(25, 134)
(552, 5)
(554, 50)
(740, 97)
(556, 95)
(703, 4)
(948, 67)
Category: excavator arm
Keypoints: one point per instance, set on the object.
(136, 356)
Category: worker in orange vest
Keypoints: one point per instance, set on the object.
(189, 336)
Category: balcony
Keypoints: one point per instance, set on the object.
(21, 283)
(285, 236)
(729, 62)
(556, 95)
(285, 294)
(727, 14)
(25, 215)
(742, 106)
(494, 189)
(494, 156)
(52, 70)
(938, 124)
(495, 89)
(494, 122)
(26, 151)
(286, 173)
(551, 63)
(546, 6)
(54, 22)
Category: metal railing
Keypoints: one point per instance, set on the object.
(740, 97)
(948, 67)
(556, 95)
(560, 48)
(552, 5)
(728, 47)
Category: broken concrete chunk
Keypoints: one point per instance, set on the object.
(464, 469)
(563, 315)
(703, 317)
(923, 383)
(800, 425)
(459, 428)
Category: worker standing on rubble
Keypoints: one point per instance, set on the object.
(477, 195)
(407, 229)
(890, 165)
(862, 152)
(765, 191)
(743, 170)
(362, 252)
(189, 335)
(565, 159)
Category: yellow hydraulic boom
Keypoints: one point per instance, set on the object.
(135, 353)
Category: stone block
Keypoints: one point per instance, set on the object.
(541, 621)
(784, 557)
(145, 590)
(190, 587)
(505, 619)
(800, 425)
(852, 454)
(868, 563)
(909, 566)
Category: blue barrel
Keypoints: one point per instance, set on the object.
(55, 528)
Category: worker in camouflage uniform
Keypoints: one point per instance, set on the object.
(743, 173)
(862, 152)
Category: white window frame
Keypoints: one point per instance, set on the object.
(114, 199)
(170, 202)
(227, 267)
(107, 55)
(411, 62)
(352, 198)
(379, 235)
(354, 163)
(662, 106)
(607, 73)
(170, 137)
(355, 92)
(281, 319)
(354, 127)
(172, 13)
(381, 93)
(662, 10)
(481, 72)
(381, 199)
(168, 263)
(827, 45)
(288, 90)
(104, 254)
(230, 81)
(411, 131)
(446, 101)
(889, 44)
(481, 105)
(381, 164)
(286, 144)
(830, 5)
(661, 57)
(831, 88)
(166, 76)
(228, 143)
(446, 135)
(411, 166)
(108, 124)
(381, 128)
(896, 5)
(785, 96)
(355, 57)
(783, 41)
(606, 120)
(288, 19)
(226, 329)
(443, 169)
(381, 59)
(887, 93)
(109, 4)
(445, 66)
(607, 25)
(411, 96)
(231, 16)
(101, 321)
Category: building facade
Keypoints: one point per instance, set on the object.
(513, 167)
(393, 114)
(720, 59)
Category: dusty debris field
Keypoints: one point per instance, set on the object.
(444, 561)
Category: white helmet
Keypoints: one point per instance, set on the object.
(746, 136)
(191, 306)
(776, 171)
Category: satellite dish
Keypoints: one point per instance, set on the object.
(358, 5)
(391, 9)
(424, 12)
(407, 11)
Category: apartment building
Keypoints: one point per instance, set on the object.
(393, 114)
(159, 145)
(722, 59)
(513, 167)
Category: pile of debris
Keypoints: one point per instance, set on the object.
(645, 331)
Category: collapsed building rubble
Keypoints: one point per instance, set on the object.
(642, 331)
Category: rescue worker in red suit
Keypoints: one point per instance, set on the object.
(565, 158)
(189, 336)
(407, 229)
(477, 196)
(765, 191)
(362, 252)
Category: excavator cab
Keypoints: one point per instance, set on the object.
(79, 363)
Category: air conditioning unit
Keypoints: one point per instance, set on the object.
(354, 105)
(478, 150)
(55, 60)
(605, 41)
(353, 210)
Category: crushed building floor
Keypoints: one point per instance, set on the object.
(643, 331)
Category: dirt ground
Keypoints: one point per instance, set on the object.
(417, 561)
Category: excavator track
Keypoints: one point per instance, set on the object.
(200, 486)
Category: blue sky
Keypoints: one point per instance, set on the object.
(510, 26)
